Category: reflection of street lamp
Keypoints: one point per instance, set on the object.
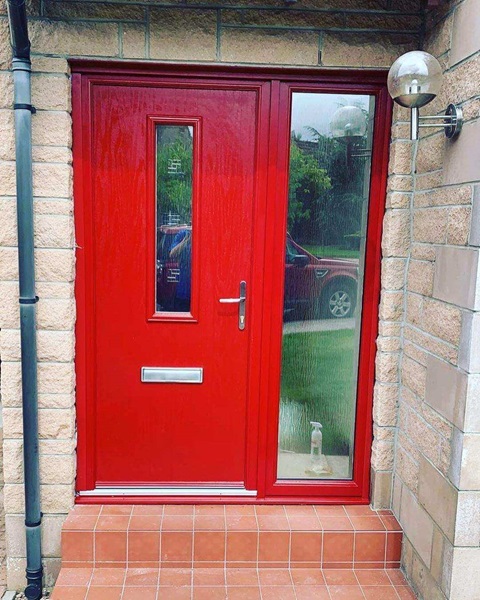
(349, 125)
(414, 80)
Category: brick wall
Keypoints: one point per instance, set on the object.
(433, 213)
(347, 33)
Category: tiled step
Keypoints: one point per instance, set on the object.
(230, 584)
(229, 537)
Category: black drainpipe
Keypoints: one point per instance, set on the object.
(21, 68)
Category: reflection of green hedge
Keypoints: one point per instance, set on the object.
(317, 385)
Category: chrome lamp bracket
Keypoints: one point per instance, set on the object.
(451, 121)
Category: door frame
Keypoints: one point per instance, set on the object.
(263, 382)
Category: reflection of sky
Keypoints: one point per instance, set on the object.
(316, 110)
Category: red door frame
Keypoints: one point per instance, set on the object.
(270, 241)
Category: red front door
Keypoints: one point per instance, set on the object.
(148, 431)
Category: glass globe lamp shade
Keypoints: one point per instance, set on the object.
(414, 79)
(348, 123)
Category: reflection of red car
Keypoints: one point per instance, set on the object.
(319, 286)
(168, 271)
(314, 286)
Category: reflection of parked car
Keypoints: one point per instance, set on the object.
(315, 287)
(168, 271)
(319, 287)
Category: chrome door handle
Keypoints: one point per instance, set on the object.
(241, 304)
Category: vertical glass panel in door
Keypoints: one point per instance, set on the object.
(174, 218)
(330, 154)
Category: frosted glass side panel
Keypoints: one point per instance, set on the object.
(329, 179)
(174, 218)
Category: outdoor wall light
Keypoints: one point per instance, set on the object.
(348, 123)
(414, 80)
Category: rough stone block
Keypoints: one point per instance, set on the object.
(187, 34)
(133, 41)
(430, 225)
(54, 231)
(51, 92)
(364, 49)
(269, 46)
(74, 39)
(52, 180)
(393, 273)
(7, 143)
(52, 128)
(396, 233)
(400, 158)
(442, 320)
(420, 277)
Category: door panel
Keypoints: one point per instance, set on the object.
(171, 433)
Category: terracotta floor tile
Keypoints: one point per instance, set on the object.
(80, 522)
(367, 523)
(307, 577)
(330, 511)
(300, 511)
(174, 593)
(237, 577)
(336, 523)
(178, 509)
(273, 546)
(278, 592)
(208, 577)
(302, 523)
(306, 546)
(177, 523)
(337, 547)
(117, 509)
(394, 546)
(104, 593)
(379, 592)
(209, 523)
(346, 592)
(77, 545)
(272, 523)
(246, 510)
(209, 546)
(210, 593)
(74, 577)
(362, 510)
(176, 546)
(396, 577)
(148, 509)
(369, 547)
(242, 545)
(241, 523)
(145, 523)
(108, 577)
(175, 577)
(141, 577)
(312, 592)
(210, 509)
(270, 510)
(274, 577)
(110, 546)
(112, 523)
(244, 593)
(140, 593)
(339, 577)
(405, 593)
(143, 546)
(391, 523)
(69, 593)
(372, 577)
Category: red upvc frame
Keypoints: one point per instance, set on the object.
(282, 83)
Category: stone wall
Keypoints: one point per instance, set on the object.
(332, 33)
(433, 214)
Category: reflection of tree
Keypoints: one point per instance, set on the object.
(174, 171)
(327, 210)
(308, 183)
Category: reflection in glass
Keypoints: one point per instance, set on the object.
(329, 178)
(174, 217)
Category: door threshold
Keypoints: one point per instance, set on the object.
(167, 491)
